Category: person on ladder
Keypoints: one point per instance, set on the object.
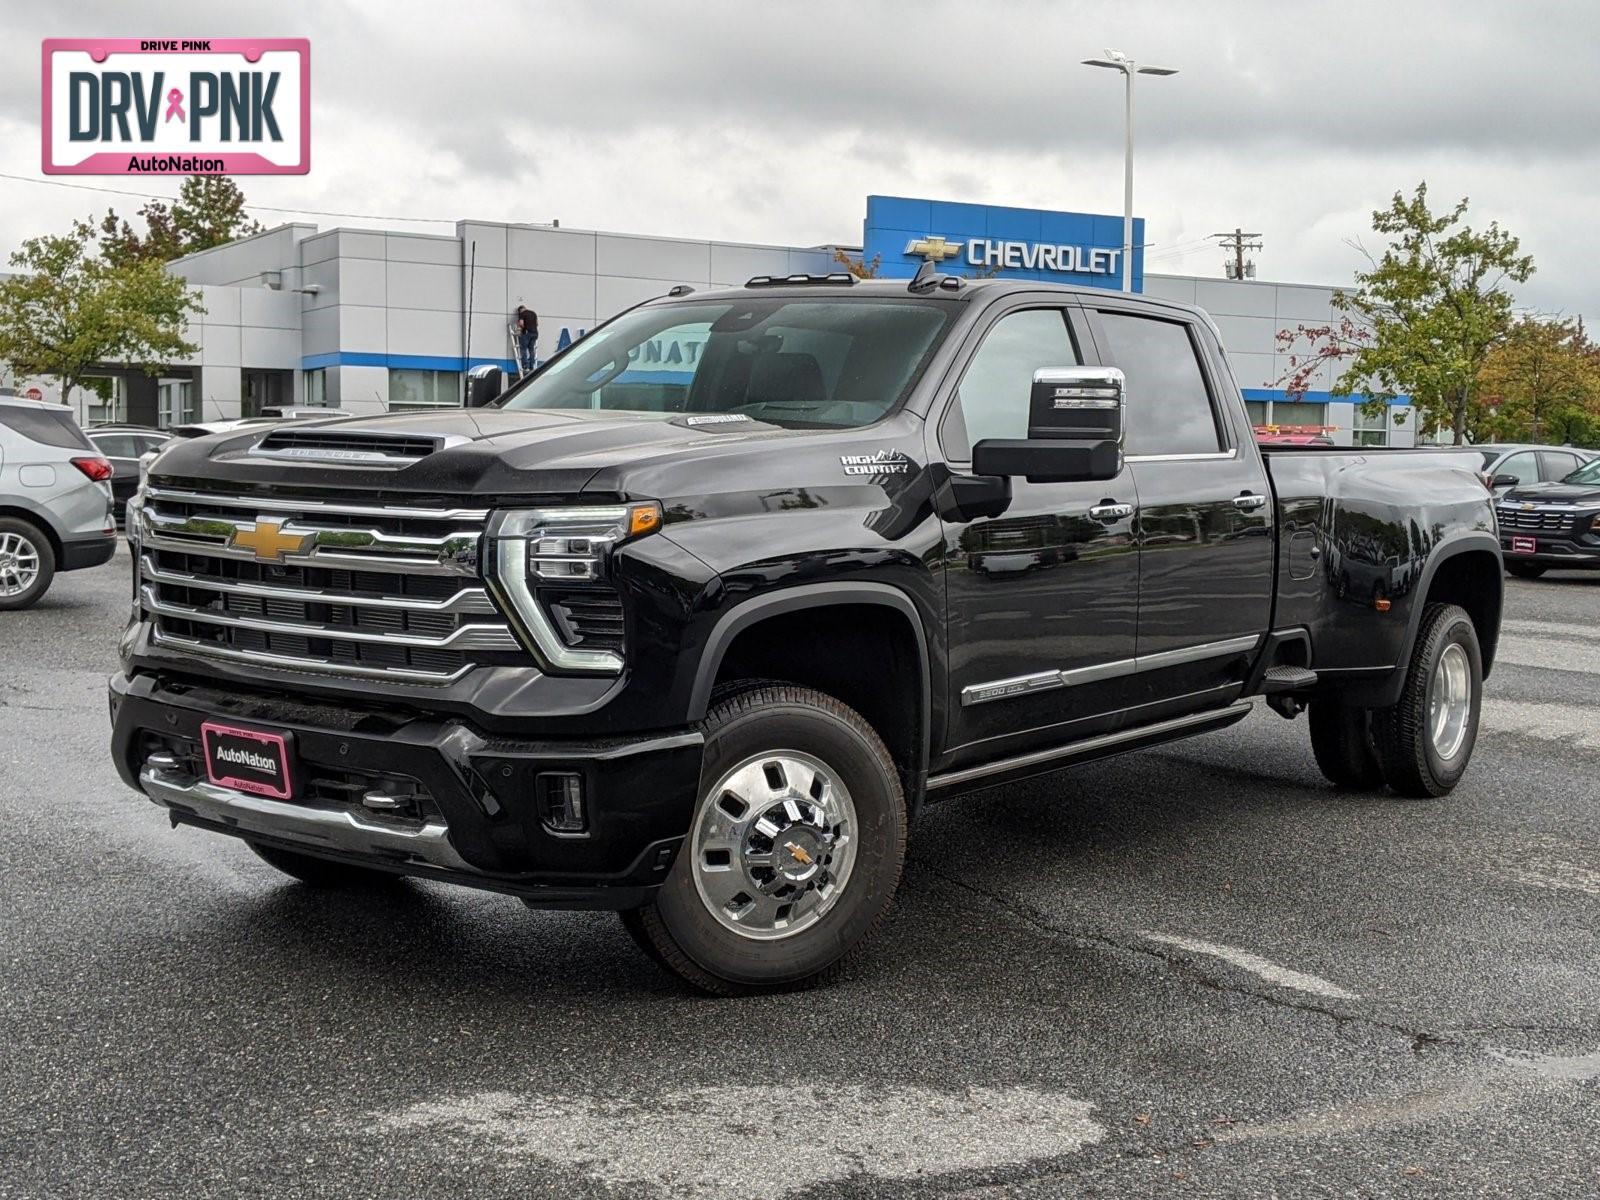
(527, 326)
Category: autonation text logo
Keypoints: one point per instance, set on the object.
(156, 106)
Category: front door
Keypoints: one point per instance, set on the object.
(1205, 511)
(1042, 600)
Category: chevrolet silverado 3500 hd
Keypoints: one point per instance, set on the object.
(691, 623)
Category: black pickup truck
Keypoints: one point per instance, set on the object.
(691, 623)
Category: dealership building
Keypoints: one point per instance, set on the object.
(369, 321)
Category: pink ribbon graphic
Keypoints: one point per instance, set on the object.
(175, 105)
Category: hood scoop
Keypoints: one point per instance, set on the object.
(395, 449)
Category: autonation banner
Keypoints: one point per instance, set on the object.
(982, 240)
(166, 106)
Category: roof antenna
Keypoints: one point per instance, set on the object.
(925, 279)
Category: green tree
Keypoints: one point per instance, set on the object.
(1423, 319)
(69, 308)
(1542, 384)
(209, 211)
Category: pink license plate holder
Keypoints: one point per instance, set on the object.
(257, 761)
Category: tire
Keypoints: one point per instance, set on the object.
(27, 563)
(1524, 570)
(745, 911)
(1341, 741)
(1421, 754)
(323, 872)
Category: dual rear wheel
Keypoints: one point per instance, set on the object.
(1419, 746)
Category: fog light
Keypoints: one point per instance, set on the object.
(561, 805)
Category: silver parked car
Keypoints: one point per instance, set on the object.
(1508, 465)
(55, 499)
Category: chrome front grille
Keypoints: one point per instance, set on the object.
(320, 586)
(1546, 520)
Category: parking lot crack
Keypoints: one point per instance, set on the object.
(1173, 957)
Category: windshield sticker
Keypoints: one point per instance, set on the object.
(715, 419)
(884, 462)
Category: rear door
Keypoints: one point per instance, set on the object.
(1205, 519)
(1041, 600)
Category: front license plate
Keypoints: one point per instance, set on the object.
(249, 760)
(1521, 545)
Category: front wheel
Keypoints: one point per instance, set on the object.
(1524, 570)
(1425, 741)
(794, 851)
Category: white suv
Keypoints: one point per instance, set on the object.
(55, 500)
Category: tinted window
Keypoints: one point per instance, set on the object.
(115, 445)
(49, 426)
(1523, 465)
(802, 364)
(1169, 407)
(1554, 465)
(993, 398)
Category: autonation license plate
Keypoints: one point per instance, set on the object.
(249, 760)
(1521, 545)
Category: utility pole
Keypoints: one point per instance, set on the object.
(1239, 241)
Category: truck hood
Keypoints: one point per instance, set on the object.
(1553, 493)
(478, 452)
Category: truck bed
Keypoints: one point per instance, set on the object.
(1358, 528)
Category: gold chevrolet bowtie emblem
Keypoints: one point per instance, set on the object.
(267, 541)
(799, 854)
(934, 249)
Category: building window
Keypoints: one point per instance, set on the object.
(1371, 431)
(317, 388)
(1288, 416)
(424, 389)
(102, 399)
(176, 403)
(1260, 411)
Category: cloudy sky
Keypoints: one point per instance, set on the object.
(769, 122)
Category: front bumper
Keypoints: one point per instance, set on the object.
(1555, 552)
(470, 813)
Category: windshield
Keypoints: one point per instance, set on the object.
(1588, 473)
(801, 364)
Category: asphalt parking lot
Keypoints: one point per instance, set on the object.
(1196, 971)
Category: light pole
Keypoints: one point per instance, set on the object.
(1118, 61)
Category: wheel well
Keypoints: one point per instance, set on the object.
(1472, 579)
(826, 648)
(41, 525)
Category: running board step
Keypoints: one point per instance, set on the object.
(1287, 679)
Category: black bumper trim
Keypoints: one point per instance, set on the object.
(641, 791)
(87, 552)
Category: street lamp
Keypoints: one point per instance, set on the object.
(1118, 61)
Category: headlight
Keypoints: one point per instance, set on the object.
(539, 558)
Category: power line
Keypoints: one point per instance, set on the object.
(308, 212)
(1239, 241)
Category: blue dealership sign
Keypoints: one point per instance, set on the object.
(981, 240)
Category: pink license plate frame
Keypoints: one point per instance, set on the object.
(274, 746)
(1524, 545)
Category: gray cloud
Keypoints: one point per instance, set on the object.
(770, 122)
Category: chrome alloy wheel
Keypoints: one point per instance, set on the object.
(19, 564)
(774, 842)
(1450, 701)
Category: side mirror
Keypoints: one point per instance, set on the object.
(484, 384)
(1504, 479)
(1075, 429)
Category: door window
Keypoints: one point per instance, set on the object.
(1522, 465)
(992, 401)
(1169, 404)
(1554, 465)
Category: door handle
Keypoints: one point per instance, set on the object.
(1249, 501)
(1111, 512)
